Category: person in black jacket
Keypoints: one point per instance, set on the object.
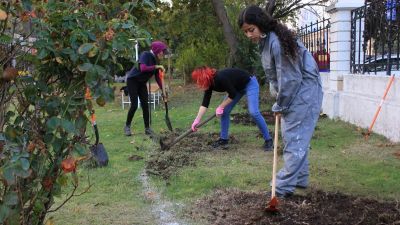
(236, 83)
(136, 81)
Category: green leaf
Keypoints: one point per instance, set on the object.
(91, 77)
(67, 126)
(4, 212)
(93, 52)
(24, 163)
(85, 48)
(105, 55)
(5, 39)
(85, 67)
(48, 138)
(73, 57)
(80, 122)
(149, 3)
(53, 123)
(11, 133)
(80, 149)
(43, 53)
(27, 4)
(100, 70)
(39, 206)
(11, 199)
(62, 180)
(19, 172)
(9, 175)
(127, 25)
(68, 51)
(57, 144)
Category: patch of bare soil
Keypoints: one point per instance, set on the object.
(164, 163)
(245, 118)
(235, 207)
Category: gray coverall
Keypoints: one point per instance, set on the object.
(298, 87)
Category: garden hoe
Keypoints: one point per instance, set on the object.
(189, 131)
(165, 98)
(273, 203)
(379, 107)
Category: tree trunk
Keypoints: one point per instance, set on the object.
(229, 34)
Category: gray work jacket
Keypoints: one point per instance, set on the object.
(292, 79)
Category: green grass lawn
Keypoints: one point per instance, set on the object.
(340, 160)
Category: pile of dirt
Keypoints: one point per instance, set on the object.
(164, 163)
(235, 207)
(245, 118)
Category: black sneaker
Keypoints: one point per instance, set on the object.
(268, 145)
(148, 131)
(220, 143)
(127, 131)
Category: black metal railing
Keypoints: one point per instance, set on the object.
(375, 37)
(315, 37)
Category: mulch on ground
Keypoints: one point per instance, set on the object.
(164, 163)
(245, 118)
(235, 207)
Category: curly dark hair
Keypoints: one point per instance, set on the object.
(266, 23)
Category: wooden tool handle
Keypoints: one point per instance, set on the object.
(274, 164)
(189, 131)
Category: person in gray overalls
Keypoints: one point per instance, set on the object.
(294, 78)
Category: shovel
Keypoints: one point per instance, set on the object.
(165, 98)
(98, 151)
(189, 131)
(273, 203)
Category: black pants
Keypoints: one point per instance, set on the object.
(138, 89)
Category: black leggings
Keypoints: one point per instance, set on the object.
(138, 89)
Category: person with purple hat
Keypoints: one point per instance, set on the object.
(137, 77)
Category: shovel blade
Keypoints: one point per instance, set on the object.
(99, 154)
(167, 120)
(163, 145)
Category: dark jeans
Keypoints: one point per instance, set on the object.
(138, 89)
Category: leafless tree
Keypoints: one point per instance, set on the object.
(278, 8)
(229, 34)
(281, 9)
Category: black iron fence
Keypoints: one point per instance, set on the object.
(375, 37)
(315, 37)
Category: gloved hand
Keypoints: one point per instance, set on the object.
(161, 67)
(219, 111)
(194, 124)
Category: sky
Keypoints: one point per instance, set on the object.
(169, 1)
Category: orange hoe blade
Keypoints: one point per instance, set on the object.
(272, 205)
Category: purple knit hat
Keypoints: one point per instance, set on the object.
(158, 46)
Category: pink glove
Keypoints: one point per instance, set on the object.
(194, 124)
(219, 111)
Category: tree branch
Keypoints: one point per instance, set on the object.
(72, 195)
(295, 6)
